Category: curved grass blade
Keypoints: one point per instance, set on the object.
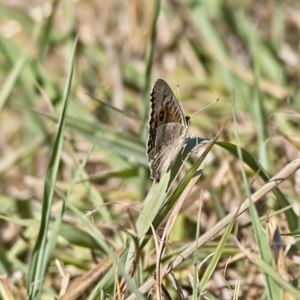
(39, 260)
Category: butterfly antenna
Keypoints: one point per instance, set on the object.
(205, 107)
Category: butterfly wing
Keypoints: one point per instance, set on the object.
(169, 141)
(167, 129)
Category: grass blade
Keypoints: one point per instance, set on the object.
(11, 79)
(261, 239)
(39, 260)
(214, 261)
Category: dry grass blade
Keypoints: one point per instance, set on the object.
(287, 171)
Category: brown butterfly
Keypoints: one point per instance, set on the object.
(167, 130)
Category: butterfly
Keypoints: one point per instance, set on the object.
(168, 127)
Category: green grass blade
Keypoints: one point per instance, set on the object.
(77, 236)
(39, 261)
(260, 238)
(125, 173)
(55, 230)
(264, 249)
(9, 84)
(215, 259)
(150, 209)
(25, 85)
(196, 255)
(259, 110)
